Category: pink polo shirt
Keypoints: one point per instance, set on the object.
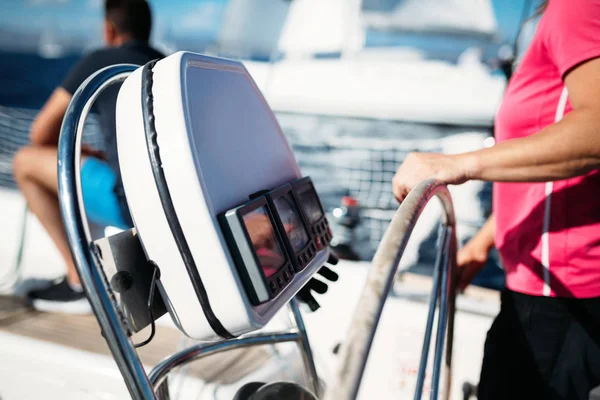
(548, 234)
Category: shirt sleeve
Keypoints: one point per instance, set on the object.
(81, 71)
(573, 32)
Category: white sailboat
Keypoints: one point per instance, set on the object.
(394, 84)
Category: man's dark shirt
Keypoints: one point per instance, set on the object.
(129, 53)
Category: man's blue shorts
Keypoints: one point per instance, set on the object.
(101, 203)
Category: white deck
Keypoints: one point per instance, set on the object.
(31, 368)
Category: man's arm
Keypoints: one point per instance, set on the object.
(45, 129)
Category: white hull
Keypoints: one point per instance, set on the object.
(381, 86)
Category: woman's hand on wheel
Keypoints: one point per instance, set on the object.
(417, 167)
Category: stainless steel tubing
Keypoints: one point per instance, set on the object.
(201, 350)
(355, 350)
(435, 292)
(305, 350)
(442, 317)
(73, 216)
(452, 290)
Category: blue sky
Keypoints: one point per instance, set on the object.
(508, 15)
(181, 18)
(80, 14)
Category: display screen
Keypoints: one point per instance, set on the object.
(292, 221)
(267, 248)
(310, 202)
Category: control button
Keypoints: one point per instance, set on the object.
(300, 260)
(314, 230)
(313, 247)
(318, 243)
(279, 282)
(286, 277)
(272, 286)
(291, 270)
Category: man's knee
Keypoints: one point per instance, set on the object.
(36, 163)
(22, 163)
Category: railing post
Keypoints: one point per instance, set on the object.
(435, 293)
(77, 231)
(305, 350)
(443, 315)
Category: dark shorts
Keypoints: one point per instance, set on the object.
(542, 348)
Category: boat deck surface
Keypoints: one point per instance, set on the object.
(83, 332)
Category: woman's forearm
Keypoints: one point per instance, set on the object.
(568, 148)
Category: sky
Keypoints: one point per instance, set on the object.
(176, 18)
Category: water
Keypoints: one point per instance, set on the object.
(26, 80)
(344, 156)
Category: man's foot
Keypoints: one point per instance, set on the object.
(60, 297)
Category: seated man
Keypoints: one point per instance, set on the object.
(127, 28)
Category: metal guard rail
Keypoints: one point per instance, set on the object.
(356, 348)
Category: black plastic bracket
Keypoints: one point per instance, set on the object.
(129, 274)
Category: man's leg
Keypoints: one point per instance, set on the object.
(36, 174)
(35, 171)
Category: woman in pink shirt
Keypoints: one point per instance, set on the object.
(545, 343)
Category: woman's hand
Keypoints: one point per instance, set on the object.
(417, 167)
(471, 259)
